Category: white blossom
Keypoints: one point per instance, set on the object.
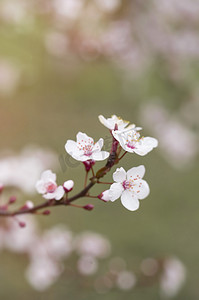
(111, 122)
(126, 280)
(85, 148)
(131, 141)
(92, 244)
(18, 239)
(42, 273)
(129, 186)
(48, 187)
(23, 170)
(173, 277)
(87, 265)
(58, 242)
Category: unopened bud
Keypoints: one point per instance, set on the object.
(12, 200)
(22, 224)
(28, 205)
(46, 212)
(104, 196)
(88, 206)
(88, 164)
(68, 185)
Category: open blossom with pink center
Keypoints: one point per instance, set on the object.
(47, 186)
(85, 148)
(129, 186)
(131, 141)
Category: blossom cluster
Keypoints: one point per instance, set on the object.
(129, 185)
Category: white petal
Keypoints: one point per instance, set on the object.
(59, 193)
(129, 201)
(81, 157)
(98, 145)
(100, 155)
(119, 136)
(84, 138)
(122, 137)
(145, 145)
(49, 196)
(136, 173)
(141, 189)
(105, 122)
(48, 175)
(116, 190)
(40, 187)
(119, 175)
(71, 147)
(105, 195)
(122, 124)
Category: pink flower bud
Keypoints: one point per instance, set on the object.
(88, 164)
(12, 200)
(28, 205)
(104, 196)
(68, 185)
(46, 212)
(88, 207)
(22, 224)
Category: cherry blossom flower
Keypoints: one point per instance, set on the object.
(48, 187)
(92, 244)
(87, 265)
(173, 277)
(129, 186)
(131, 141)
(85, 148)
(20, 240)
(42, 273)
(57, 242)
(126, 280)
(111, 122)
(28, 166)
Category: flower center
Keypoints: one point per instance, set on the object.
(50, 187)
(131, 144)
(132, 139)
(127, 184)
(87, 147)
(88, 150)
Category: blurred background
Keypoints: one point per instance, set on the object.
(64, 62)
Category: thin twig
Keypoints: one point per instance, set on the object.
(67, 201)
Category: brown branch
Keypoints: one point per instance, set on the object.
(112, 160)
